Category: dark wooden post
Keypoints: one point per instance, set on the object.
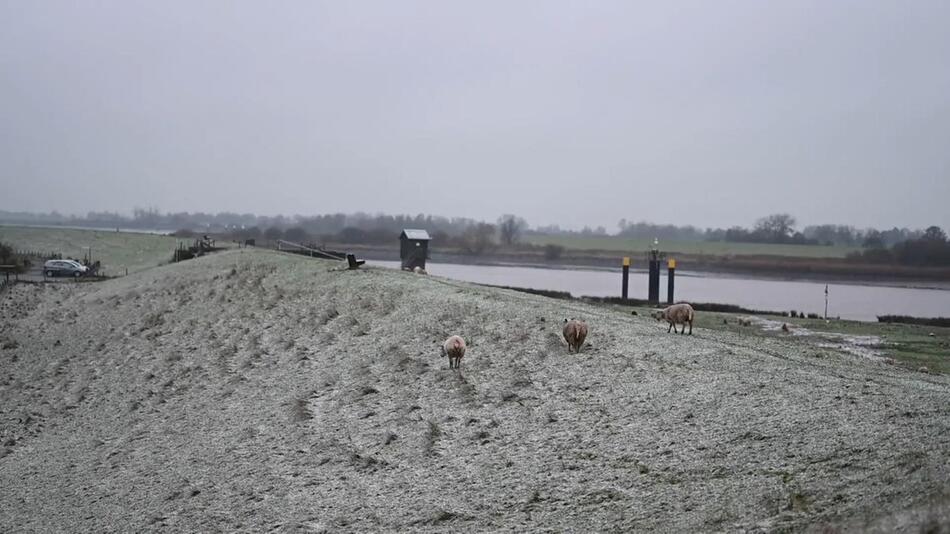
(653, 287)
(671, 271)
(654, 282)
(626, 278)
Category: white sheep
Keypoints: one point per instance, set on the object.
(419, 270)
(454, 348)
(575, 331)
(681, 313)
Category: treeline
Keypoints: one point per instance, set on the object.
(466, 234)
(777, 228)
(897, 245)
(329, 224)
(476, 238)
(931, 249)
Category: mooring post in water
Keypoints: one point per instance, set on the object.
(826, 302)
(671, 270)
(653, 289)
(626, 278)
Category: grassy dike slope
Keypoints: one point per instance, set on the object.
(252, 390)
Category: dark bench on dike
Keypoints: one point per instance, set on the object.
(352, 262)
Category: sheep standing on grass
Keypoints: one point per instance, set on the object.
(681, 313)
(575, 331)
(454, 348)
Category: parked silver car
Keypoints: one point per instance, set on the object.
(64, 268)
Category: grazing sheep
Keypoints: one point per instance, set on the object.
(454, 348)
(575, 332)
(681, 313)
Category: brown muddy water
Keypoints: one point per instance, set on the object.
(848, 301)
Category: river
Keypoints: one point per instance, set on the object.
(848, 301)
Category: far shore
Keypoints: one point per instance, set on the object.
(784, 269)
(763, 267)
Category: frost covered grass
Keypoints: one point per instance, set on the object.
(252, 390)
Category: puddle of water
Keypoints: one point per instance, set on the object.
(863, 346)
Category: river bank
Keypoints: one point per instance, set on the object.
(849, 301)
(771, 267)
(763, 267)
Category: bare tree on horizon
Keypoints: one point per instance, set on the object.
(510, 228)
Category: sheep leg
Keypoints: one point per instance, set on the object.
(690, 327)
(670, 328)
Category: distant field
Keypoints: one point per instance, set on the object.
(719, 248)
(117, 251)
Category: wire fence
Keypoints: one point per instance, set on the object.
(44, 254)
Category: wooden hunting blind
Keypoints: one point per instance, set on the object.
(413, 248)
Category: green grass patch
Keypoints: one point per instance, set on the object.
(911, 346)
(117, 251)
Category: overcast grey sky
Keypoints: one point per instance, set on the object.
(575, 113)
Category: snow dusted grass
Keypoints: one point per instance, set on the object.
(251, 390)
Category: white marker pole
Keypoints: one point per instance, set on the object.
(826, 302)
